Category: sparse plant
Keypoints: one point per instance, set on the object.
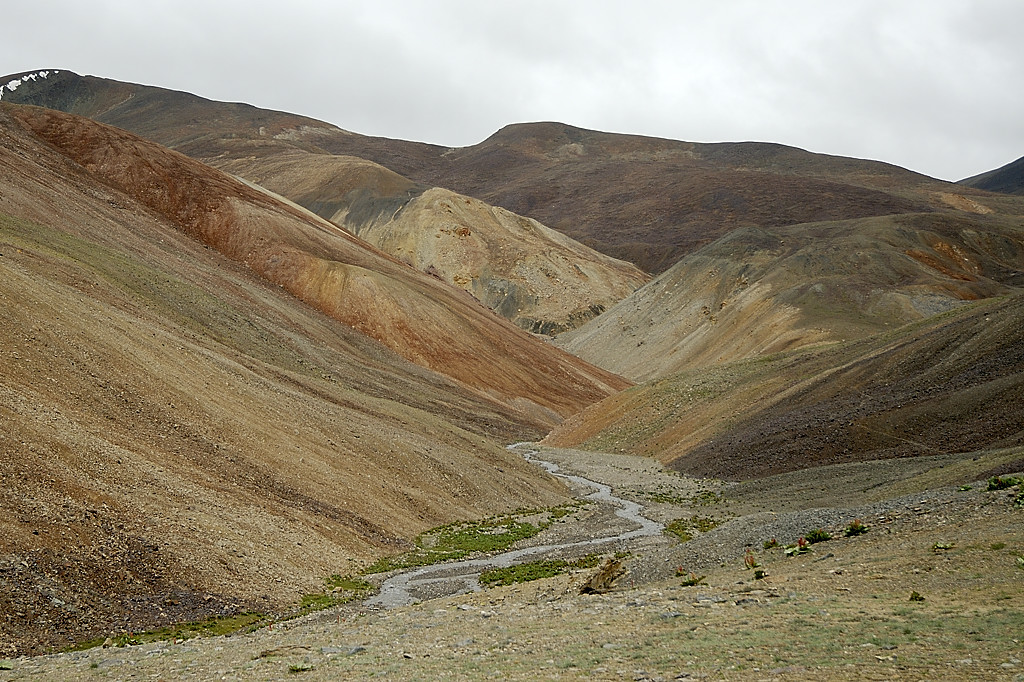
(855, 528)
(760, 574)
(942, 546)
(915, 596)
(802, 546)
(1001, 483)
(750, 560)
(535, 570)
(998, 546)
(818, 535)
(1020, 562)
(690, 578)
(769, 544)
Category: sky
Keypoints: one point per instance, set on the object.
(930, 85)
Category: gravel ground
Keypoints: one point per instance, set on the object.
(843, 611)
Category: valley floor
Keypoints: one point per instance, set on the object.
(841, 611)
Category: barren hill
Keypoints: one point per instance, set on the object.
(1008, 179)
(204, 404)
(534, 276)
(953, 384)
(758, 291)
(645, 200)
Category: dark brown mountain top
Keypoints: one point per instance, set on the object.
(646, 200)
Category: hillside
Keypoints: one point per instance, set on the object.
(951, 384)
(756, 291)
(204, 404)
(528, 273)
(534, 276)
(645, 200)
(1008, 179)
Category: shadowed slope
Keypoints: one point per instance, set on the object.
(954, 384)
(1008, 179)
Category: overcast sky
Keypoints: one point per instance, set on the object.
(936, 86)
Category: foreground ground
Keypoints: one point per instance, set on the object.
(842, 611)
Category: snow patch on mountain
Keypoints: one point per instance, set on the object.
(16, 83)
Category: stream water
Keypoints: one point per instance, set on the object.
(462, 576)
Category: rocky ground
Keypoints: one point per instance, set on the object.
(933, 590)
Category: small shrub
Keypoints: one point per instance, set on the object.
(1001, 483)
(802, 546)
(691, 579)
(998, 545)
(759, 574)
(855, 528)
(706, 498)
(942, 546)
(914, 596)
(818, 535)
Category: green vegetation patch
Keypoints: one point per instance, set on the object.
(535, 570)
(210, 627)
(458, 540)
(685, 528)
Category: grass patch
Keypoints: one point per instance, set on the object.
(535, 570)
(210, 627)
(685, 528)
(458, 540)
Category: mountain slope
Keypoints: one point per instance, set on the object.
(534, 276)
(421, 319)
(514, 266)
(1008, 179)
(182, 436)
(645, 200)
(952, 384)
(757, 291)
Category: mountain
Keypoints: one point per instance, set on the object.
(756, 291)
(1008, 179)
(534, 276)
(211, 399)
(953, 384)
(645, 200)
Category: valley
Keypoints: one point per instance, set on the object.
(251, 363)
(841, 610)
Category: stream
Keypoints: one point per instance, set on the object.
(462, 576)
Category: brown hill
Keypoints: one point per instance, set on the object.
(757, 291)
(182, 435)
(952, 384)
(530, 274)
(526, 272)
(645, 200)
